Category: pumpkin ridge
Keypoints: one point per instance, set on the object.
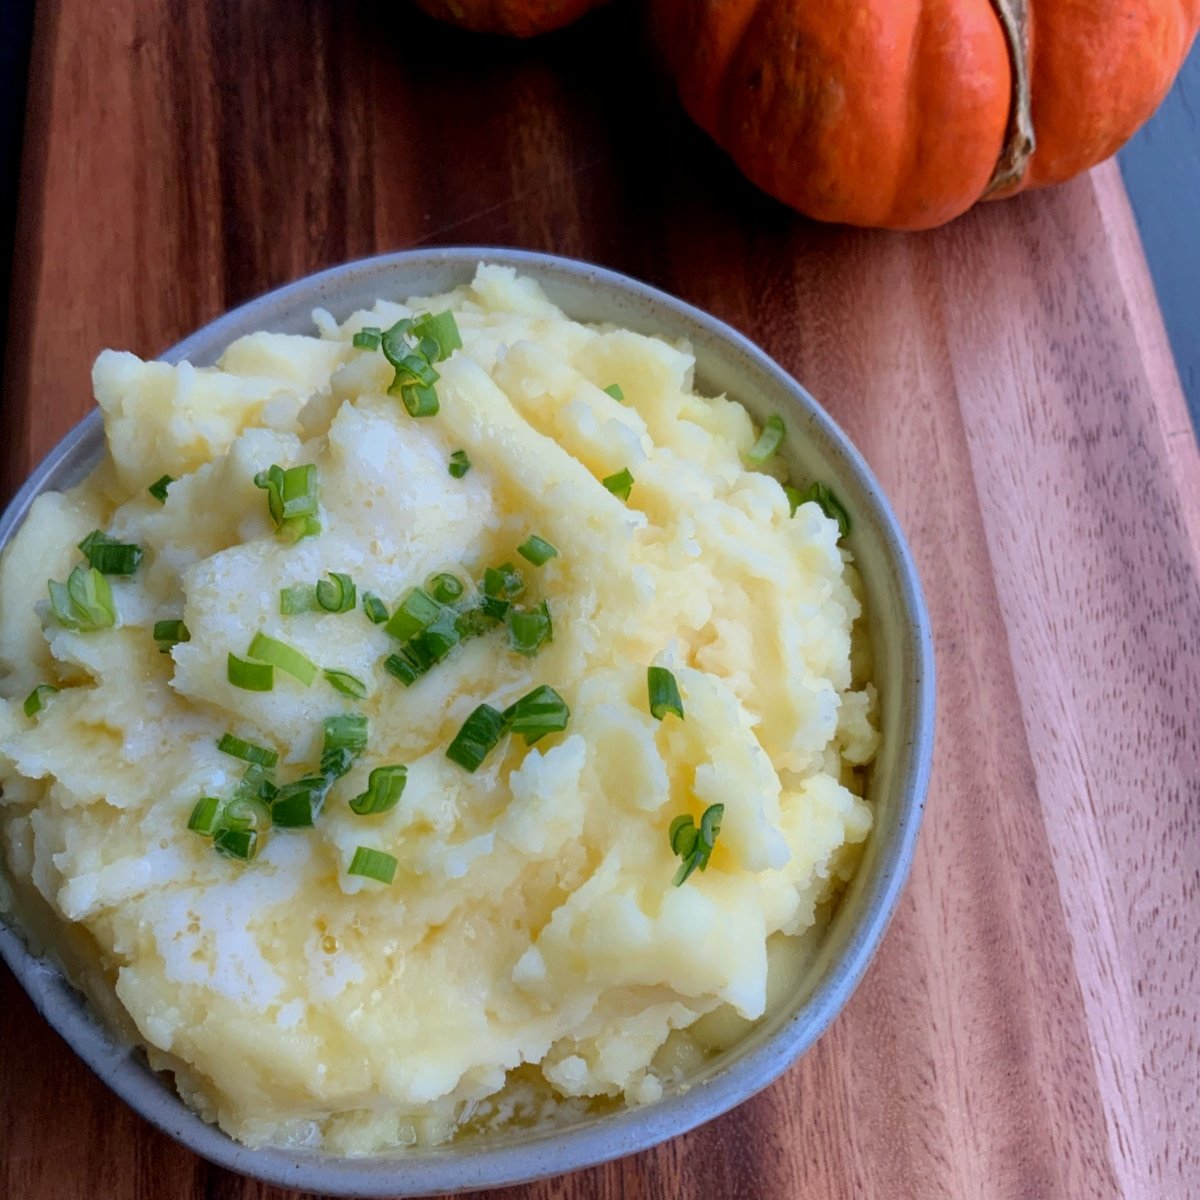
(1020, 141)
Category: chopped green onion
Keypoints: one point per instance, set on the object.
(537, 550)
(768, 442)
(683, 835)
(664, 693)
(694, 846)
(384, 789)
(460, 464)
(442, 330)
(367, 338)
(347, 684)
(504, 582)
(345, 731)
(477, 738)
(420, 400)
(620, 484)
(158, 489)
(527, 630)
(247, 751)
(84, 602)
(254, 790)
(393, 341)
(415, 611)
(291, 499)
(403, 667)
(375, 608)
(236, 843)
(337, 594)
(794, 498)
(297, 805)
(614, 390)
(481, 618)
(109, 556)
(250, 676)
(540, 712)
(36, 700)
(204, 816)
(287, 658)
(829, 504)
(444, 587)
(345, 738)
(170, 633)
(374, 864)
(433, 643)
(299, 598)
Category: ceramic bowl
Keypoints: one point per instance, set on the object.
(725, 362)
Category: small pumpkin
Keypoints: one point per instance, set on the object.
(516, 18)
(904, 113)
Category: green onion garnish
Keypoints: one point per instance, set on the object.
(246, 751)
(403, 667)
(254, 790)
(84, 602)
(345, 738)
(694, 846)
(337, 594)
(36, 700)
(375, 608)
(614, 390)
(664, 693)
(415, 611)
(109, 556)
(444, 587)
(419, 400)
(794, 498)
(479, 735)
(250, 676)
(434, 642)
(236, 843)
(299, 598)
(504, 582)
(443, 330)
(374, 864)
(528, 629)
(540, 712)
(291, 499)
(460, 464)
(768, 442)
(204, 816)
(384, 789)
(170, 633)
(287, 658)
(158, 489)
(367, 338)
(819, 494)
(347, 684)
(297, 805)
(620, 484)
(537, 550)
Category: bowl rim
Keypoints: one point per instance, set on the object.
(552, 1152)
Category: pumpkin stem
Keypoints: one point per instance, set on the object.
(1019, 140)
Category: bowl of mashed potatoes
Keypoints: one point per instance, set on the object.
(464, 716)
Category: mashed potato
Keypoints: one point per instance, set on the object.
(532, 952)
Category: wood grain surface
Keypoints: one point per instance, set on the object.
(1031, 1026)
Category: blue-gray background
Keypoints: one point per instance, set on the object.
(1161, 166)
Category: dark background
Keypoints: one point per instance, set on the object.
(1161, 167)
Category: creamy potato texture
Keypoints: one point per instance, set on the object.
(531, 944)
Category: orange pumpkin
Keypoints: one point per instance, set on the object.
(904, 113)
(517, 18)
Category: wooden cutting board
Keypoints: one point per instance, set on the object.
(1031, 1027)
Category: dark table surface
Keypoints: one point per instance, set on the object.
(1161, 168)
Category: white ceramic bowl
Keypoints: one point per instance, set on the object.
(815, 448)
